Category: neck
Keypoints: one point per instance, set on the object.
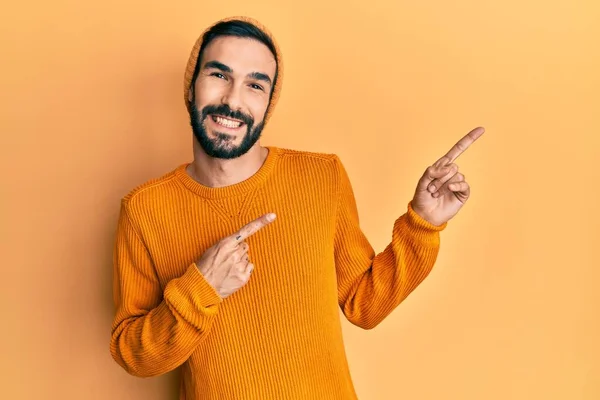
(214, 172)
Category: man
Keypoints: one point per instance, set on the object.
(207, 279)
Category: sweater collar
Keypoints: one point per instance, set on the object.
(232, 190)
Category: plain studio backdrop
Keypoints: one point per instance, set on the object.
(91, 106)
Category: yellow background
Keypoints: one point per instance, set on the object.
(91, 106)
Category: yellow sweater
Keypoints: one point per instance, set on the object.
(278, 337)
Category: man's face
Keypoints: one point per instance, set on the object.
(231, 95)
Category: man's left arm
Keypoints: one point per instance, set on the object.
(371, 286)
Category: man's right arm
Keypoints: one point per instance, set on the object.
(155, 331)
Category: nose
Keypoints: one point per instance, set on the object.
(232, 97)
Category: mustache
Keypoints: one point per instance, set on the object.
(224, 110)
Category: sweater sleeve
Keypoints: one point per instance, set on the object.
(371, 286)
(155, 331)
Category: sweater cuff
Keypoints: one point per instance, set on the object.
(194, 281)
(193, 296)
(419, 222)
(420, 229)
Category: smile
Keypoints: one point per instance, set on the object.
(226, 122)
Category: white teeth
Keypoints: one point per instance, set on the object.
(228, 123)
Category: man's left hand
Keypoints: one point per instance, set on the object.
(442, 190)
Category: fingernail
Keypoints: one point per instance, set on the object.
(270, 217)
(432, 188)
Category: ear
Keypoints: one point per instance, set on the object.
(191, 94)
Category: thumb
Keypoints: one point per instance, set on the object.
(432, 173)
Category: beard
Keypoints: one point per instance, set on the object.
(221, 146)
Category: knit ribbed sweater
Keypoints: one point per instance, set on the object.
(279, 336)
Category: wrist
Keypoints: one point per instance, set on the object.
(422, 220)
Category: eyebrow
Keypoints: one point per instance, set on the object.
(222, 67)
(259, 76)
(217, 65)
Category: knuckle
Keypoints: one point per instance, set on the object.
(441, 162)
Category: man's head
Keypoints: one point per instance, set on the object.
(233, 86)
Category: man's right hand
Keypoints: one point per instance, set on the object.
(226, 265)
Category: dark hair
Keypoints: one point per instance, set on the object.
(237, 28)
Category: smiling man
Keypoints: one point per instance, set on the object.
(230, 121)
(234, 267)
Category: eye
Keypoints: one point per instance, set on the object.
(218, 75)
(255, 86)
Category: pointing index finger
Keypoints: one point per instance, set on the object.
(251, 228)
(462, 145)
